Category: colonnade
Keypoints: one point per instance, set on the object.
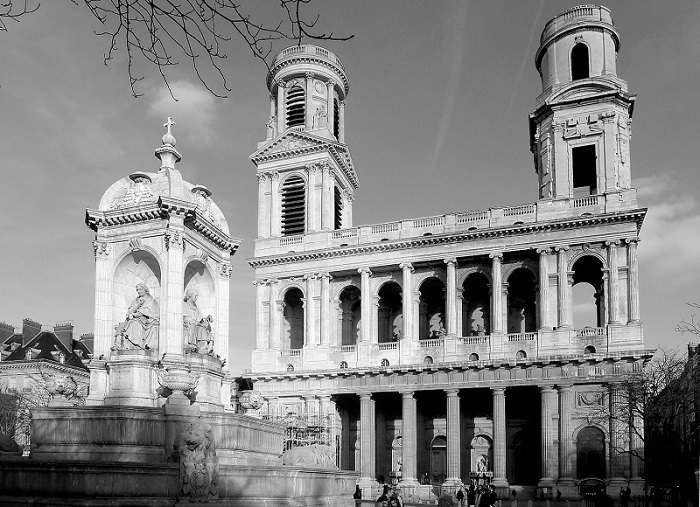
(321, 309)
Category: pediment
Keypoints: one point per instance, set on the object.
(577, 91)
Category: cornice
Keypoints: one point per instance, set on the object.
(423, 241)
(36, 363)
(308, 59)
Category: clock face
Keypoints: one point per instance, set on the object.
(320, 87)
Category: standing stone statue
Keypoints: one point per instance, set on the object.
(140, 329)
(196, 328)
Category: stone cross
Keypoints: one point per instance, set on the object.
(169, 124)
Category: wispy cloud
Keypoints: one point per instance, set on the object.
(194, 110)
(534, 31)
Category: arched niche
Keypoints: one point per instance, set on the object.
(136, 267)
(198, 277)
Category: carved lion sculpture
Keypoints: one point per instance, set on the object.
(9, 446)
(315, 455)
(195, 443)
(199, 468)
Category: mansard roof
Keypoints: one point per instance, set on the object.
(293, 143)
(48, 347)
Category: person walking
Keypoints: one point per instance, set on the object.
(460, 496)
(471, 495)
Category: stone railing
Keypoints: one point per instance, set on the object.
(590, 331)
(291, 352)
(519, 337)
(590, 12)
(292, 240)
(435, 342)
(307, 49)
(473, 340)
(387, 346)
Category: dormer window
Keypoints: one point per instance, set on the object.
(579, 62)
(28, 354)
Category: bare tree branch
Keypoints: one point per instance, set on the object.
(163, 32)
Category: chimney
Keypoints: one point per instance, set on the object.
(6, 330)
(88, 339)
(64, 332)
(30, 328)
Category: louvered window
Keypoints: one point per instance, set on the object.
(336, 118)
(293, 206)
(338, 218)
(295, 106)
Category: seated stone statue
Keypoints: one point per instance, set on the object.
(197, 329)
(140, 329)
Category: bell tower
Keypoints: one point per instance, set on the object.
(306, 176)
(580, 129)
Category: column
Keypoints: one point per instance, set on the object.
(544, 289)
(347, 210)
(325, 308)
(617, 430)
(275, 218)
(341, 121)
(409, 416)
(374, 328)
(632, 281)
(326, 198)
(565, 442)
(460, 312)
(171, 338)
(366, 303)
(280, 107)
(367, 437)
(407, 300)
(331, 108)
(259, 317)
(272, 106)
(499, 436)
(263, 205)
(310, 314)
(613, 282)
(275, 314)
(636, 443)
(564, 299)
(309, 100)
(547, 401)
(451, 303)
(104, 320)
(496, 294)
(453, 438)
(312, 212)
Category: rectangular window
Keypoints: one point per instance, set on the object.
(584, 170)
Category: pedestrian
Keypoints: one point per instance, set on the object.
(558, 496)
(383, 500)
(460, 496)
(471, 495)
(492, 496)
(395, 499)
(357, 495)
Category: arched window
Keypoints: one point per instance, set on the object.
(590, 453)
(473, 357)
(343, 365)
(336, 117)
(390, 313)
(438, 460)
(521, 354)
(427, 360)
(350, 315)
(432, 309)
(579, 62)
(290, 367)
(337, 209)
(588, 291)
(589, 350)
(296, 105)
(475, 311)
(521, 302)
(293, 206)
(385, 363)
(293, 325)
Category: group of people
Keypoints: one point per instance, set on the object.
(477, 496)
(390, 497)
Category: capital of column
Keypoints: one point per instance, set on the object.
(311, 168)
(309, 76)
(365, 270)
(565, 388)
(406, 266)
(452, 393)
(365, 396)
(543, 250)
(561, 248)
(262, 177)
(496, 256)
(325, 275)
(498, 391)
(632, 241)
(275, 175)
(330, 84)
(408, 394)
(612, 243)
(451, 261)
(547, 388)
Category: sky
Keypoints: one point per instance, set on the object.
(436, 121)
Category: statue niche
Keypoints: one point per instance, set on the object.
(196, 328)
(140, 328)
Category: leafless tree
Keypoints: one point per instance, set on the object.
(163, 32)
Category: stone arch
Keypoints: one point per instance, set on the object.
(473, 356)
(431, 308)
(521, 316)
(476, 304)
(481, 453)
(438, 459)
(298, 172)
(390, 312)
(397, 455)
(136, 267)
(590, 452)
(464, 273)
(293, 325)
(589, 303)
(337, 288)
(512, 267)
(350, 314)
(520, 355)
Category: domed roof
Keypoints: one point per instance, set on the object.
(144, 188)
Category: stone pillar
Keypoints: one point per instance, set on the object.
(259, 317)
(499, 436)
(276, 338)
(451, 303)
(453, 439)
(544, 289)
(460, 312)
(172, 292)
(636, 444)
(347, 210)
(617, 430)
(311, 338)
(374, 322)
(367, 439)
(273, 339)
(281, 113)
(312, 211)
(275, 216)
(409, 416)
(565, 442)
(632, 281)
(263, 205)
(547, 401)
(104, 318)
(564, 291)
(366, 304)
(613, 282)
(273, 107)
(309, 100)
(325, 308)
(496, 294)
(406, 300)
(341, 121)
(326, 198)
(331, 108)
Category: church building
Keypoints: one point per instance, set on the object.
(444, 347)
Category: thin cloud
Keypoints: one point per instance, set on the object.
(194, 110)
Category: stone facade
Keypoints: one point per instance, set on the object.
(444, 346)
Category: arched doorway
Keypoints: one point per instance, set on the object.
(390, 313)
(438, 460)
(475, 305)
(293, 325)
(590, 453)
(521, 302)
(431, 309)
(350, 309)
(588, 293)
